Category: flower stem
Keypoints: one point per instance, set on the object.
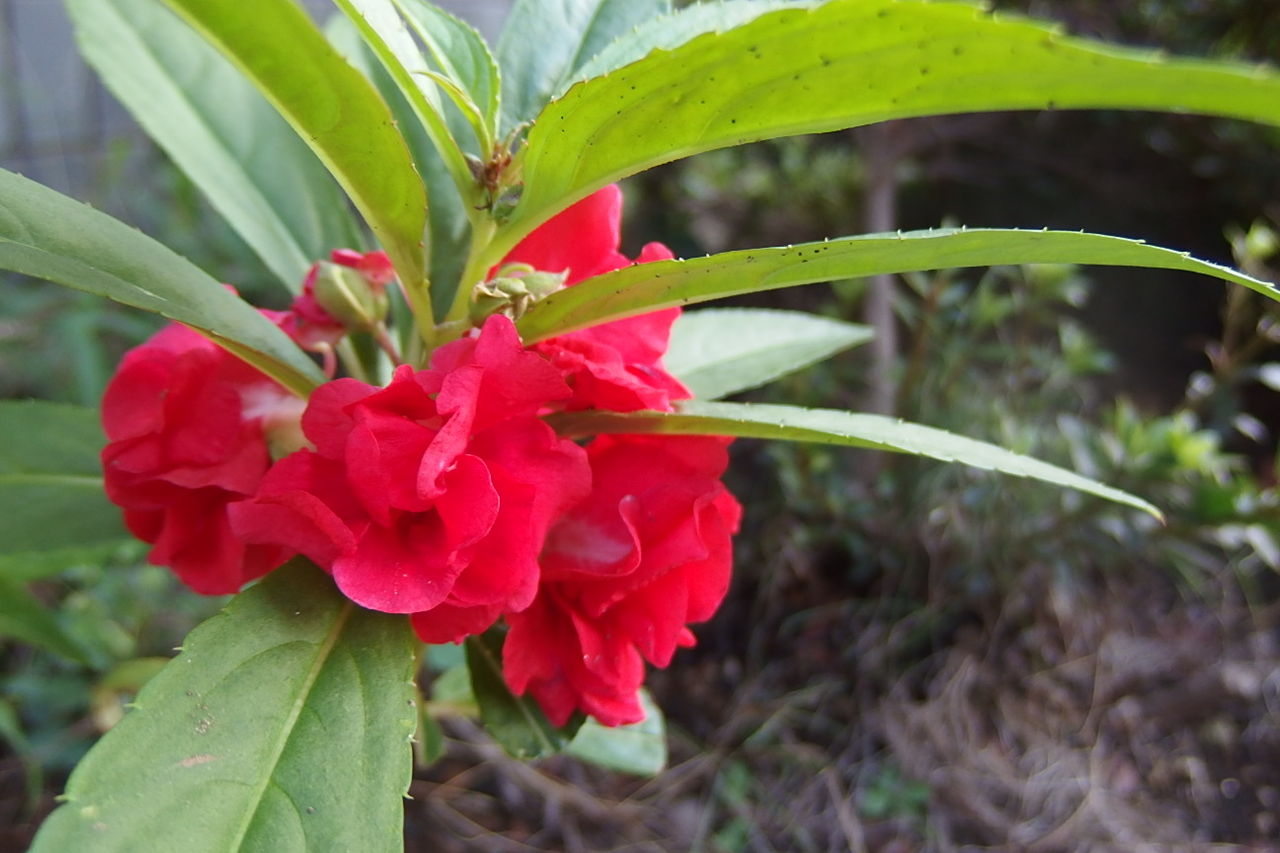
(387, 345)
(479, 260)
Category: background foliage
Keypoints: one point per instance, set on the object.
(912, 654)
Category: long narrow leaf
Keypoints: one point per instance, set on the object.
(284, 725)
(828, 426)
(448, 224)
(25, 619)
(383, 29)
(54, 558)
(674, 29)
(647, 287)
(716, 352)
(51, 494)
(217, 128)
(47, 235)
(332, 107)
(842, 64)
(460, 53)
(545, 41)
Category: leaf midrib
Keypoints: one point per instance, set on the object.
(323, 652)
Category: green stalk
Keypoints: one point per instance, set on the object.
(483, 254)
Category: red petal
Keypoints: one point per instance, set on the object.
(450, 623)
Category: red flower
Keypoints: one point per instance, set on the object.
(618, 365)
(623, 573)
(188, 425)
(432, 494)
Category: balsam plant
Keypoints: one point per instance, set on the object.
(492, 445)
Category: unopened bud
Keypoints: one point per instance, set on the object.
(375, 266)
(349, 297)
(512, 291)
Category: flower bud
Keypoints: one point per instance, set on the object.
(350, 297)
(512, 291)
(375, 266)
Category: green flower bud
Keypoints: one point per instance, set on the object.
(512, 291)
(349, 297)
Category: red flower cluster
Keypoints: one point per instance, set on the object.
(445, 495)
(188, 427)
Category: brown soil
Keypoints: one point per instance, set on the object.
(1108, 715)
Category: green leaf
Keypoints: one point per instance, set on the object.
(545, 41)
(24, 618)
(47, 235)
(50, 480)
(828, 426)
(448, 225)
(640, 748)
(333, 108)
(384, 31)
(460, 53)
(515, 722)
(842, 64)
(674, 29)
(648, 287)
(49, 438)
(54, 558)
(721, 351)
(284, 725)
(11, 733)
(215, 126)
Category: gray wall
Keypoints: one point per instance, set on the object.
(57, 124)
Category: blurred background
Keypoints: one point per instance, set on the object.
(913, 656)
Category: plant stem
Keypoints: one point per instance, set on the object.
(351, 360)
(880, 212)
(387, 345)
(479, 260)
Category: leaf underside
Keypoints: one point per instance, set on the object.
(828, 426)
(332, 108)
(716, 352)
(256, 172)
